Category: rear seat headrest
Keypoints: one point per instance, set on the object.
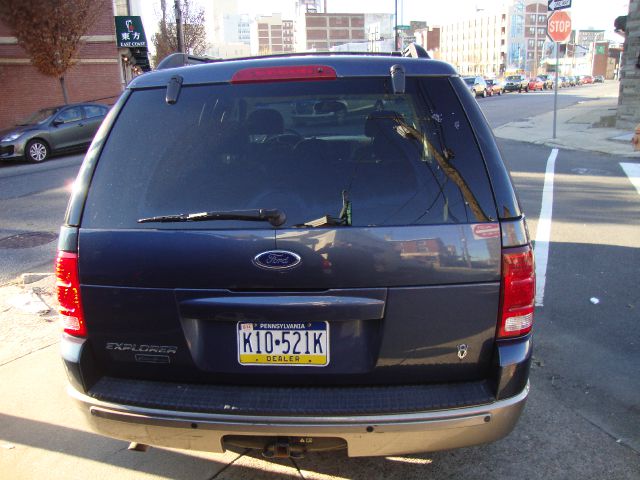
(265, 121)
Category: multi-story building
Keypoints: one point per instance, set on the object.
(288, 36)
(340, 31)
(321, 31)
(228, 32)
(478, 45)
(506, 37)
(272, 34)
(535, 33)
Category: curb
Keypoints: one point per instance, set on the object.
(27, 278)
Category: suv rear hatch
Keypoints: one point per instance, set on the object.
(385, 271)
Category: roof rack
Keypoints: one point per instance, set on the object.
(414, 50)
(182, 59)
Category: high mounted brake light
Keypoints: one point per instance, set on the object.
(68, 292)
(297, 73)
(517, 292)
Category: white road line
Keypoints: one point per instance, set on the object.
(633, 172)
(543, 234)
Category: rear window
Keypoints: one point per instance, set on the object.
(407, 159)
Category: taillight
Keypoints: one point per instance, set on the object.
(517, 292)
(68, 291)
(293, 73)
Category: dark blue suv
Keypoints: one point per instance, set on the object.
(233, 275)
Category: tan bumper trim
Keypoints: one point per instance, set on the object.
(365, 436)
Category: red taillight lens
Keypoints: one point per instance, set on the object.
(294, 73)
(517, 292)
(68, 291)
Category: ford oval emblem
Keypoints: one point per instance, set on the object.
(277, 260)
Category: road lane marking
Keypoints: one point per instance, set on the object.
(633, 172)
(543, 233)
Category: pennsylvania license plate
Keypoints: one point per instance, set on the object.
(295, 344)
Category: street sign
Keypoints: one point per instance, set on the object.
(553, 5)
(130, 32)
(403, 27)
(559, 26)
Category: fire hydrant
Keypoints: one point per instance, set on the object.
(635, 140)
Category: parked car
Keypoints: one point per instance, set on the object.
(360, 288)
(534, 84)
(598, 79)
(516, 83)
(495, 87)
(547, 81)
(477, 86)
(573, 80)
(587, 79)
(52, 130)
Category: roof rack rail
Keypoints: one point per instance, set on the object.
(181, 59)
(414, 50)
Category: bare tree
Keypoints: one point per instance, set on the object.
(166, 40)
(50, 31)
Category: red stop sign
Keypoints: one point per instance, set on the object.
(559, 26)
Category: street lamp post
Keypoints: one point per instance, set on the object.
(179, 32)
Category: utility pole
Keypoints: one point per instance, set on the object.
(179, 33)
(534, 70)
(396, 29)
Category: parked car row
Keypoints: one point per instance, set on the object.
(481, 87)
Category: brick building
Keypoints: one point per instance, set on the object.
(272, 34)
(628, 115)
(321, 31)
(95, 76)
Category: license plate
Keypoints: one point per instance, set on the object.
(294, 344)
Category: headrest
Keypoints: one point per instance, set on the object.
(382, 122)
(265, 121)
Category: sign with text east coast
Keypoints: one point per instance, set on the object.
(130, 32)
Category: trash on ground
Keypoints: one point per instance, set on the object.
(594, 300)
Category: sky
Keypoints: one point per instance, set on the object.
(585, 14)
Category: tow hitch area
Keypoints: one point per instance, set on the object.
(284, 447)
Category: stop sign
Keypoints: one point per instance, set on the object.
(559, 26)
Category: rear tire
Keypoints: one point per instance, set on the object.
(37, 151)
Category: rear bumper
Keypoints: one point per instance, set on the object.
(370, 435)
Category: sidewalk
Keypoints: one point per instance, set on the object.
(587, 125)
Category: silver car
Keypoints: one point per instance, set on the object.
(52, 130)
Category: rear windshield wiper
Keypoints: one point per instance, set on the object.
(274, 216)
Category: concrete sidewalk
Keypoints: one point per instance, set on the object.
(587, 125)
